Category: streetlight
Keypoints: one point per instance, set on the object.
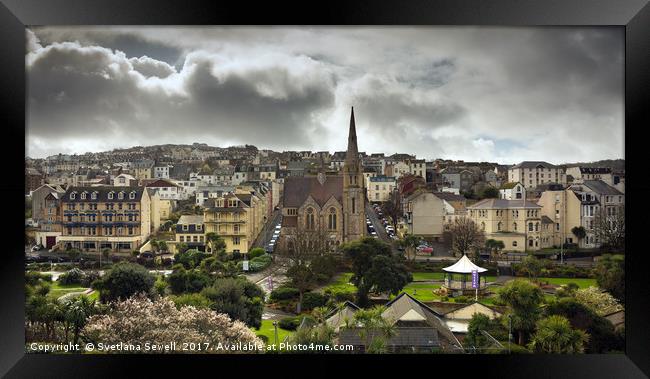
(275, 325)
(509, 332)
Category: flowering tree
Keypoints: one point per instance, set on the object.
(139, 320)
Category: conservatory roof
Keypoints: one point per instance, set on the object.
(464, 266)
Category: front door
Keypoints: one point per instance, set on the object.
(50, 241)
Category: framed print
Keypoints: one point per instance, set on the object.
(440, 184)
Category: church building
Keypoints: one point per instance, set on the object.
(331, 204)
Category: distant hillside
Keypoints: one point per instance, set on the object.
(614, 164)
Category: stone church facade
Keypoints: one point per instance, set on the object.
(333, 205)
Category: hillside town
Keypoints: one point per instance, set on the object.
(461, 240)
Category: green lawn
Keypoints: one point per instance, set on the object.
(424, 291)
(423, 276)
(57, 289)
(342, 283)
(581, 282)
(267, 329)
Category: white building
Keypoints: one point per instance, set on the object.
(379, 188)
(512, 191)
(533, 173)
(161, 172)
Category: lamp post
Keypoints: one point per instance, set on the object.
(275, 326)
(509, 332)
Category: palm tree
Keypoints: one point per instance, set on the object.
(77, 311)
(216, 243)
(555, 335)
(410, 243)
(374, 329)
(579, 232)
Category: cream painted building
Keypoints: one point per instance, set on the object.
(237, 217)
(379, 188)
(533, 173)
(518, 223)
(425, 214)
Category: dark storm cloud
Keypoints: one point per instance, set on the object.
(506, 94)
(76, 91)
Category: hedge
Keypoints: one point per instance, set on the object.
(284, 293)
(311, 300)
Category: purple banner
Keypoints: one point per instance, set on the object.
(474, 279)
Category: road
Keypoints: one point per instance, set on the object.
(379, 228)
(265, 235)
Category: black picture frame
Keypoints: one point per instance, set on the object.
(633, 15)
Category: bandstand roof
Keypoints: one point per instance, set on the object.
(464, 266)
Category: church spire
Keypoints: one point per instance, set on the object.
(353, 151)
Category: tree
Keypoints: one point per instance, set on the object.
(320, 334)
(386, 275)
(579, 232)
(362, 253)
(531, 266)
(393, 208)
(190, 258)
(123, 281)
(182, 280)
(554, 334)
(141, 321)
(495, 246)
(154, 245)
(466, 235)
(602, 338)
(610, 229)
(106, 253)
(524, 299)
(374, 329)
(73, 254)
(162, 245)
(304, 245)
(76, 311)
(303, 279)
(215, 242)
(477, 324)
(490, 192)
(238, 298)
(409, 243)
(610, 275)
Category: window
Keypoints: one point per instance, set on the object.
(195, 239)
(185, 227)
(332, 219)
(235, 228)
(73, 195)
(311, 224)
(120, 196)
(530, 243)
(93, 196)
(514, 243)
(537, 227)
(499, 226)
(130, 230)
(514, 226)
(292, 211)
(182, 238)
(235, 240)
(483, 226)
(83, 196)
(354, 205)
(530, 226)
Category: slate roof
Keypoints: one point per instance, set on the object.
(547, 220)
(601, 187)
(595, 170)
(190, 219)
(298, 189)
(102, 194)
(509, 185)
(503, 204)
(449, 196)
(534, 164)
(404, 336)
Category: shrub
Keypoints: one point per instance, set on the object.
(74, 276)
(123, 281)
(33, 277)
(340, 295)
(256, 252)
(461, 299)
(284, 293)
(194, 299)
(258, 263)
(290, 323)
(89, 278)
(182, 280)
(264, 338)
(311, 300)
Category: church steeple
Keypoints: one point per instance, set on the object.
(353, 150)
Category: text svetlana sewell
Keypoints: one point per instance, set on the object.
(180, 347)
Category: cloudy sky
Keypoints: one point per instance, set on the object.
(494, 94)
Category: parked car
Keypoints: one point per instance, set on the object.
(37, 247)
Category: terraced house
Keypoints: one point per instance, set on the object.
(97, 218)
(518, 223)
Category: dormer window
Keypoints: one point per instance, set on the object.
(73, 195)
(93, 195)
(132, 195)
(83, 196)
(110, 195)
(120, 195)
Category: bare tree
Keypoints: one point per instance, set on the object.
(466, 236)
(610, 229)
(393, 208)
(303, 245)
